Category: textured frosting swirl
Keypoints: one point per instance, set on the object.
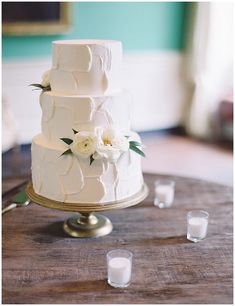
(61, 114)
(70, 179)
(81, 67)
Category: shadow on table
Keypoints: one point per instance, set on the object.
(173, 240)
(51, 231)
(81, 286)
(55, 230)
(154, 238)
(155, 241)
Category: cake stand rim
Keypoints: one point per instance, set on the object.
(89, 207)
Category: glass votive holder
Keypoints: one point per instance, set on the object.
(119, 264)
(164, 193)
(197, 223)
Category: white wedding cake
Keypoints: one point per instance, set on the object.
(86, 152)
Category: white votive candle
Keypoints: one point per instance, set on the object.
(164, 193)
(197, 225)
(119, 268)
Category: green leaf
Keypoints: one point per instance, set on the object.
(91, 159)
(68, 141)
(46, 88)
(66, 152)
(40, 86)
(75, 132)
(137, 150)
(37, 85)
(135, 143)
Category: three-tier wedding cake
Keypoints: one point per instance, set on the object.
(86, 152)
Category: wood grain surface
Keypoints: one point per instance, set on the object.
(42, 265)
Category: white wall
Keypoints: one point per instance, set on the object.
(154, 79)
(158, 90)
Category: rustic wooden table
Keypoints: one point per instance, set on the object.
(43, 265)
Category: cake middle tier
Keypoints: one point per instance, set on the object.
(62, 114)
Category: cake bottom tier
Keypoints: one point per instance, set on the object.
(71, 179)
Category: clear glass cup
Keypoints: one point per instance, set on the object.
(197, 224)
(119, 265)
(164, 193)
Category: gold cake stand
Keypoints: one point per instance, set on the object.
(87, 223)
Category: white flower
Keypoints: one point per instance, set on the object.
(121, 142)
(111, 144)
(106, 152)
(115, 139)
(46, 78)
(84, 144)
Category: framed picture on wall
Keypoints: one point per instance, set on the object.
(35, 18)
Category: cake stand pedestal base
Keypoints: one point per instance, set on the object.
(87, 225)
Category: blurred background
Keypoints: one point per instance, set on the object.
(178, 64)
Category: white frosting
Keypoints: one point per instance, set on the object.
(83, 67)
(61, 114)
(70, 179)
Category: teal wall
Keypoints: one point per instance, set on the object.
(139, 25)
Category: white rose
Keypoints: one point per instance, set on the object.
(113, 138)
(84, 144)
(108, 135)
(111, 145)
(46, 78)
(107, 152)
(121, 142)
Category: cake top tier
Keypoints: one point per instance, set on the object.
(86, 66)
